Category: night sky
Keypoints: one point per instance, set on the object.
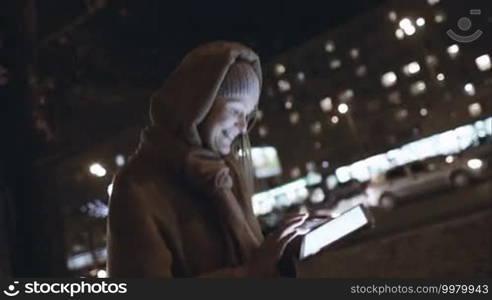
(176, 27)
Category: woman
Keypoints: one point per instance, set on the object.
(181, 207)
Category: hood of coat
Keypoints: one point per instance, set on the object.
(186, 97)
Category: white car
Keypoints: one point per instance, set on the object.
(421, 177)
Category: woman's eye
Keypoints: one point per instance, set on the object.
(234, 111)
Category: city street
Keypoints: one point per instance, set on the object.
(428, 237)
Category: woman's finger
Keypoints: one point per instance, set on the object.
(285, 241)
(289, 227)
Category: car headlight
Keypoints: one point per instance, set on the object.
(474, 163)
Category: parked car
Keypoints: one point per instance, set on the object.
(346, 190)
(421, 177)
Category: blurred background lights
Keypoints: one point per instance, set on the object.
(407, 26)
(335, 64)
(449, 159)
(334, 120)
(417, 88)
(453, 50)
(301, 76)
(411, 68)
(288, 104)
(474, 163)
(440, 77)
(343, 108)
(399, 34)
(279, 69)
(317, 195)
(326, 104)
(119, 160)
(283, 85)
(330, 46)
(439, 17)
(102, 274)
(483, 62)
(475, 109)
(424, 112)
(110, 189)
(420, 22)
(470, 89)
(97, 169)
(392, 16)
(294, 118)
(354, 53)
(388, 79)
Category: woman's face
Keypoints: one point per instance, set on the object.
(225, 121)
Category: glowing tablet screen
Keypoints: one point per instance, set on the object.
(332, 231)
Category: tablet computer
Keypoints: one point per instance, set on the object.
(327, 233)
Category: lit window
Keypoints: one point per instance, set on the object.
(418, 88)
(453, 50)
(331, 182)
(439, 17)
(310, 166)
(407, 26)
(119, 160)
(317, 196)
(326, 104)
(279, 69)
(440, 77)
(343, 108)
(259, 114)
(330, 46)
(335, 64)
(399, 34)
(361, 71)
(392, 16)
(475, 109)
(97, 169)
(262, 131)
(301, 76)
(483, 62)
(431, 60)
(470, 89)
(394, 97)
(288, 104)
(388, 79)
(354, 53)
(346, 95)
(343, 174)
(283, 85)
(295, 172)
(433, 2)
(265, 162)
(424, 112)
(334, 120)
(411, 68)
(401, 114)
(316, 127)
(294, 118)
(420, 22)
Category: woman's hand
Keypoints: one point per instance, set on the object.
(263, 262)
